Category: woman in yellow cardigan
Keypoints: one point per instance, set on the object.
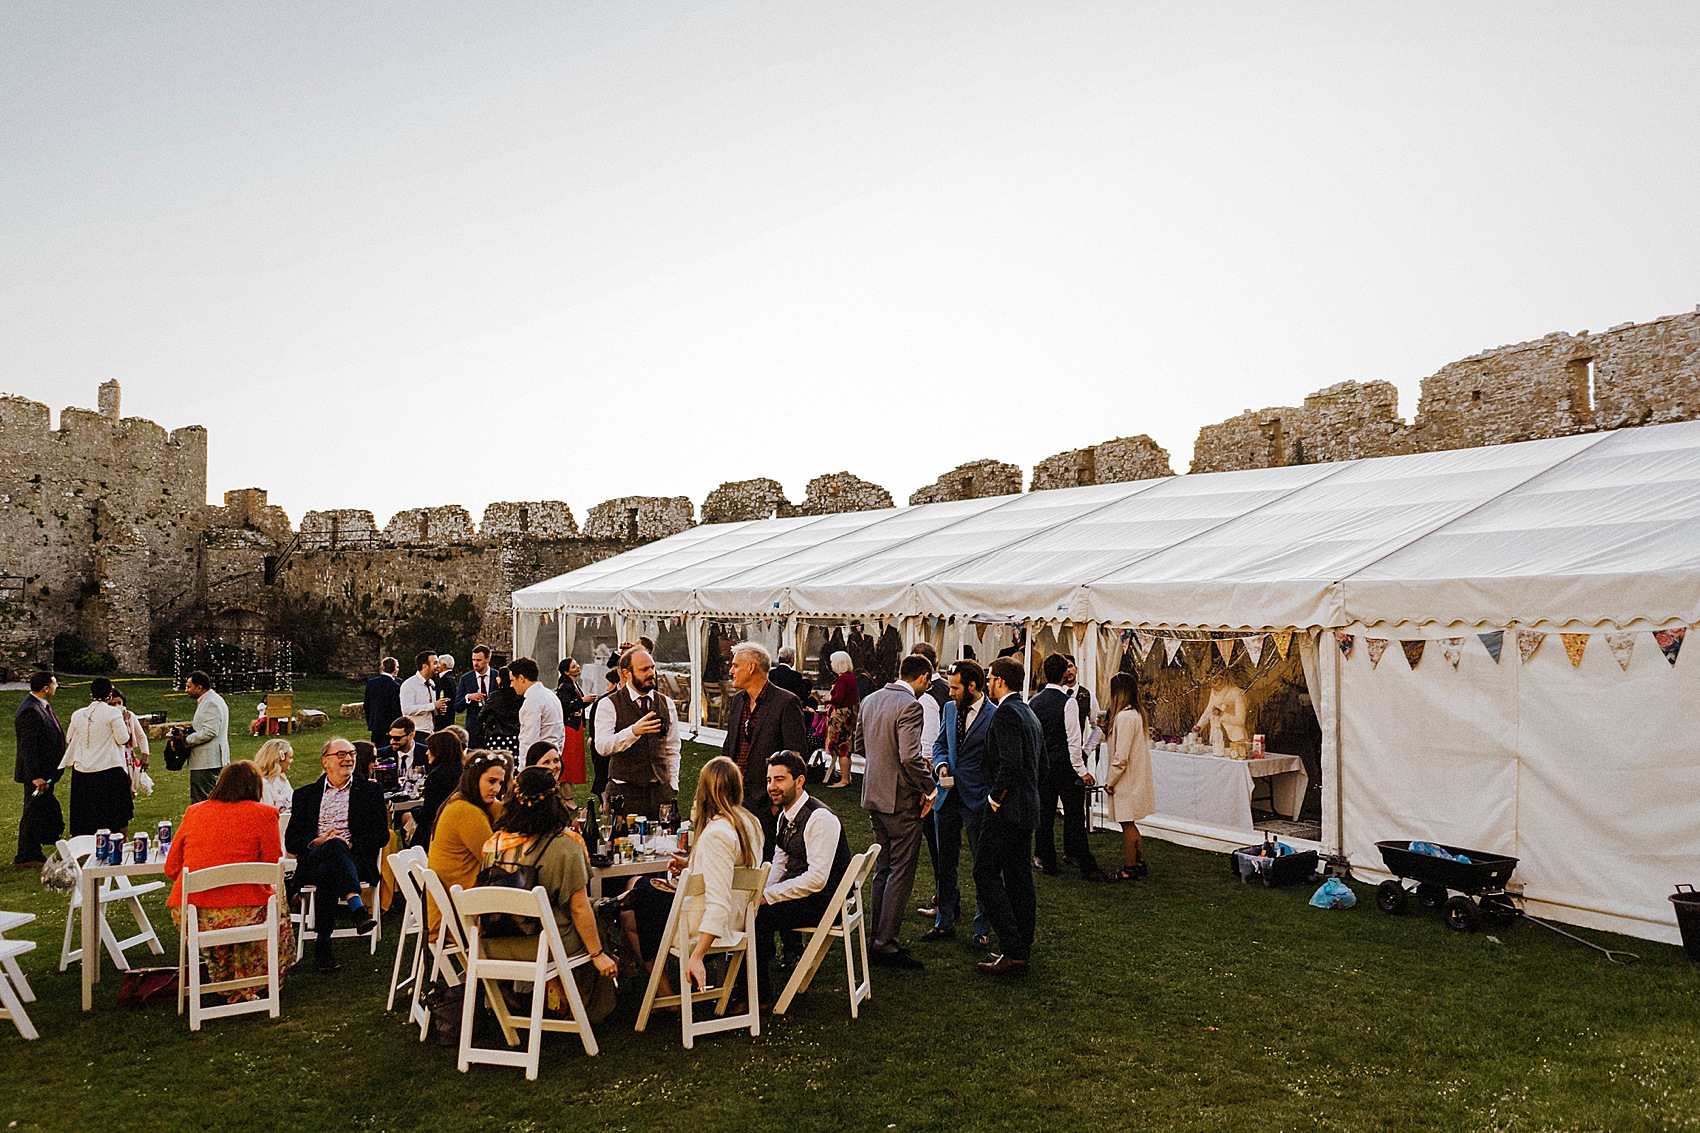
(464, 824)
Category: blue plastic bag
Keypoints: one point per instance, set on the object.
(1434, 851)
(1334, 894)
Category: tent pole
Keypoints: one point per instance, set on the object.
(1333, 777)
(693, 643)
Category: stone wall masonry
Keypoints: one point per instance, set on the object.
(247, 508)
(838, 492)
(1347, 421)
(640, 518)
(430, 527)
(338, 529)
(739, 500)
(971, 481)
(1113, 462)
(536, 519)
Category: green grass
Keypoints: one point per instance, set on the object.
(1186, 1001)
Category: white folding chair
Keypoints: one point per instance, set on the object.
(679, 940)
(193, 939)
(447, 950)
(305, 912)
(412, 920)
(844, 920)
(12, 996)
(550, 963)
(77, 851)
(9, 960)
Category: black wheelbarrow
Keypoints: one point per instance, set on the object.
(1480, 882)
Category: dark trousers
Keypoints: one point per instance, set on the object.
(786, 916)
(29, 846)
(642, 798)
(1063, 784)
(1003, 880)
(202, 782)
(954, 820)
(329, 867)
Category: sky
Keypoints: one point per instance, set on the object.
(399, 255)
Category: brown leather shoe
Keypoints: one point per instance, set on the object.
(1004, 966)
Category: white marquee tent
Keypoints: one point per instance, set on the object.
(1586, 767)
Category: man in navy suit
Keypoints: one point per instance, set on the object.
(382, 702)
(41, 745)
(959, 757)
(474, 687)
(1003, 867)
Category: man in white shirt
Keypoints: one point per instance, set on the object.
(637, 727)
(419, 699)
(810, 855)
(208, 738)
(94, 751)
(540, 718)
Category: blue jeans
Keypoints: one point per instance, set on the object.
(953, 819)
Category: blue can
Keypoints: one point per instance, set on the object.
(102, 846)
(139, 848)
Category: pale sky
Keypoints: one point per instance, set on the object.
(396, 255)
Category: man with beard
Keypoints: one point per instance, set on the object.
(1003, 869)
(810, 854)
(637, 728)
(959, 760)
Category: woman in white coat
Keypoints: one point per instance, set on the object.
(1133, 795)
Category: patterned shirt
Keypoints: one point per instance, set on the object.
(333, 811)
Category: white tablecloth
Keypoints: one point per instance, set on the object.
(1217, 791)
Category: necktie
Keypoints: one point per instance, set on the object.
(784, 825)
(643, 705)
(481, 685)
(52, 716)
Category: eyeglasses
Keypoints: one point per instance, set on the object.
(341, 756)
(397, 739)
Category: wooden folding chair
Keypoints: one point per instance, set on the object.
(446, 950)
(77, 851)
(844, 919)
(679, 940)
(550, 963)
(12, 995)
(194, 939)
(412, 920)
(9, 960)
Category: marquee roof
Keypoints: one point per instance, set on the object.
(1597, 529)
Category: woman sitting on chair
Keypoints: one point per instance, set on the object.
(443, 755)
(533, 832)
(273, 761)
(466, 822)
(545, 754)
(232, 825)
(727, 837)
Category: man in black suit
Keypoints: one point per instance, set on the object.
(445, 685)
(765, 720)
(788, 678)
(1064, 775)
(337, 827)
(473, 689)
(1003, 869)
(403, 749)
(41, 744)
(382, 701)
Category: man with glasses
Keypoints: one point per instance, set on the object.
(404, 750)
(336, 830)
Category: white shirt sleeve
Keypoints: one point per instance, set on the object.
(929, 724)
(530, 722)
(609, 741)
(821, 838)
(1071, 726)
(418, 704)
(672, 744)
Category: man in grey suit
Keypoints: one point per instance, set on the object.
(897, 792)
(208, 738)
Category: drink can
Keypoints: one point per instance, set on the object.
(1257, 746)
(643, 827)
(140, 855)
(164, 832)
(102, 845)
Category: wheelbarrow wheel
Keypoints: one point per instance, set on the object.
(1390, 897)
(1430, 896)
(1498, 910)
(1462, 915)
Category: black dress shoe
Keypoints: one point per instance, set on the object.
(938, 934)
(365, 924)
(328, 964)
(897, 958)
(1097, 875)
(1003, 966)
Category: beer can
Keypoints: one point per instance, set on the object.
(140, 854)
(102, 845)
(163, 833)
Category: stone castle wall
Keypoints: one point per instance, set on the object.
(1113, 462)
(835, 492)
(974, 480)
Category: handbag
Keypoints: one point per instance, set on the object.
(176, 751)
(501, 874)
(143, 986)
(44, 819)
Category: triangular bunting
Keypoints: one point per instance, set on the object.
(1283, 639)
(1492, 642)
(1226, 648)
(1528, 640)
(1413, 651)
(1254, 649)
(1622, 646)
(1452, 648)
(1670, 641)
(1344, 641)
(1575, 644)
(1172, 647)
(1377, 646)
(1145, 641)
(980, 631)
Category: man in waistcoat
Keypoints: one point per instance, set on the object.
(1063, 776)
(810, 854)
(637, 728)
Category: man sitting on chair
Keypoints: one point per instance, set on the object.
(335, 832)
(810, 854)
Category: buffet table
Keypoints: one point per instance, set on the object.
(1217, 791)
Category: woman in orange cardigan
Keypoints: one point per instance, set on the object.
(232, 825)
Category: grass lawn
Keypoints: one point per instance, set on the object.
(1185, 1001)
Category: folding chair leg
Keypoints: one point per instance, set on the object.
(499, 1004)
(66, 956)
(685, 998)
(727, 982)
(804, 973)
(19, 983)
(15, 1008)
(751, 988)
(534, 1041)
(652, 989)
(581, 1013)
(145, 926)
